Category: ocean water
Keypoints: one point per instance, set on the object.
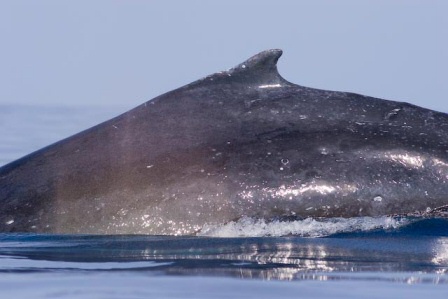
(365, 257)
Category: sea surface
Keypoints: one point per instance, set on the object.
(382, 257)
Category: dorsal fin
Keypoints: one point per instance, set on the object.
(259, 70)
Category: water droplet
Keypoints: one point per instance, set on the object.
(123, 212)
(324, 151)
(9, 222)
(284, 161)
(378, 199)
(281, 168)
(243, 66)
(392, 114)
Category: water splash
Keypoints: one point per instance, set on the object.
(309, 227)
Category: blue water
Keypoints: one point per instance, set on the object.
(365, 257)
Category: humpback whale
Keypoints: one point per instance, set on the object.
(239, 143)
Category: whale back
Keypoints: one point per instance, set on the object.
(243, 142)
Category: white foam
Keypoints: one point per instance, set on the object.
(249, 227)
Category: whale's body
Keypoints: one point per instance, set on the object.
(244, 142)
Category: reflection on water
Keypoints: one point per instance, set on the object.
(405, 256)
(441, 252)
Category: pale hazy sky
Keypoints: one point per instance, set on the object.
(126, 52)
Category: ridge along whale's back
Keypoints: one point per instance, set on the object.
(239, 143)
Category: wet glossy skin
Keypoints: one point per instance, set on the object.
(239, 143)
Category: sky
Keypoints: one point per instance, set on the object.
(123, 53)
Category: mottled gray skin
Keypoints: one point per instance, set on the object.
(244, 142)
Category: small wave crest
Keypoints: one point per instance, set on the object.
(309, 227)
